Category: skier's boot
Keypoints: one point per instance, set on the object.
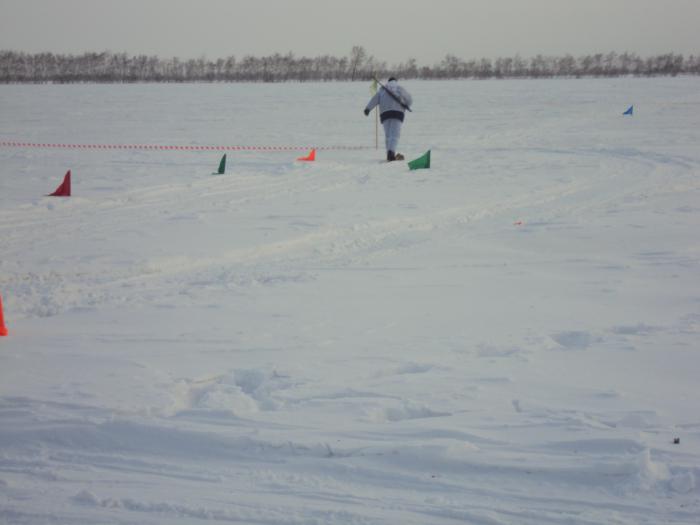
(399, 156)
(390, 155)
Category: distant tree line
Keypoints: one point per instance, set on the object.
(111, 67)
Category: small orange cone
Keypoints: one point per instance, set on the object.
(3, 328)
(310, 157)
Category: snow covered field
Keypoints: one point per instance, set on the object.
(510, 337)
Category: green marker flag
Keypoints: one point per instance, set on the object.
(222, 166)
(422, 162)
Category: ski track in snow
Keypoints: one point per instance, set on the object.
(507, 338)
(326, 244)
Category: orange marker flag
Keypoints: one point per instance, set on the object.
(310, 157)
(3, 328)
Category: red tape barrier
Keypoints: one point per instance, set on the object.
(178, 148)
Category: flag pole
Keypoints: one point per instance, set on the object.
(373, 89)
(376, 127)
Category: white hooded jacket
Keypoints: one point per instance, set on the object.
(389, 107)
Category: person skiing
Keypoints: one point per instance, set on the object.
(393, 101)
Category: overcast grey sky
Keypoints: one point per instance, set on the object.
(391, 30)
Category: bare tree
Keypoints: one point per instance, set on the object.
(120, 67)
(358, 55)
